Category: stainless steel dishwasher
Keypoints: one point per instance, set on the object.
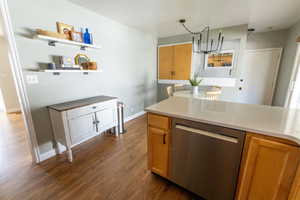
(205, 159)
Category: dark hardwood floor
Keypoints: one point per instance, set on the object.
(105, 167)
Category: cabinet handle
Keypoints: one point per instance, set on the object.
(164, 139)
(94, 107)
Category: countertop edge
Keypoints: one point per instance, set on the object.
(261, 132)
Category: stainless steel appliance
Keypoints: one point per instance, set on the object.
(205, 159)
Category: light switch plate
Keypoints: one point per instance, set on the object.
(32, 79)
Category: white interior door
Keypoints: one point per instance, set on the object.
(293, 92)
(258, 78)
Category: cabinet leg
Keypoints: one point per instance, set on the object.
(70, 155)
(116, 131)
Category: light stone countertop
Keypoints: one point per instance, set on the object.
(266, 120)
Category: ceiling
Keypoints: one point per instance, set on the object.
(160, 17)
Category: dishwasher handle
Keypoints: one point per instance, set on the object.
(208, 134)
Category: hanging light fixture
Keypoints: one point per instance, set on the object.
(210, 46)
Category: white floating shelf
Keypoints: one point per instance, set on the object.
(57, 72)
(52, 41)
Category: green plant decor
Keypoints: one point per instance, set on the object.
(195, 81)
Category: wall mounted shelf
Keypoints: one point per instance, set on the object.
(52, 42)
(57, 72)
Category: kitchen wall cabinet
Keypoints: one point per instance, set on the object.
(158, 144)
(77, 121)
(175, 61)
(268, 169)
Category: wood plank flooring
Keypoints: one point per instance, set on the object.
(105, 167)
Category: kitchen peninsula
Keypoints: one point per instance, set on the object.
(226, 150)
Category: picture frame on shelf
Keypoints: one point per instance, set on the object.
(76, 36)
(65, 29)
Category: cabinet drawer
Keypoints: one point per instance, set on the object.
(90, 109)
(158, 121)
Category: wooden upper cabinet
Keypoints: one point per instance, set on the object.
(175, 62)
(166, 62)
(182, 61)
(268, 169)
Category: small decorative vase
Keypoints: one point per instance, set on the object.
(87, 37)
(195, 90)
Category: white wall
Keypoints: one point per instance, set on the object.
(286, 68)
(127, 57)
(7, 85)
(264, 40)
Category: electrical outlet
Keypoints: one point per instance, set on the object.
(32, 79)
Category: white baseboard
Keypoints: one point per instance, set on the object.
(136, 115)
(47, 155)
(51, 153)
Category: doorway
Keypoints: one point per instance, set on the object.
(259, 76)
(15, 123)
(293, 93)
(14, 148)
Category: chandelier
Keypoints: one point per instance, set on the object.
(209, 46)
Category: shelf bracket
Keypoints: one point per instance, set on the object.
(51, 43)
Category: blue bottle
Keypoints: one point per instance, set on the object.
(87, 37)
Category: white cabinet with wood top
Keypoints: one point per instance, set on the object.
(77, 121)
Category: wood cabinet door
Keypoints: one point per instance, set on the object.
(166, 62)
(82, 128)
(182, 62)
(295, 191)
(158, 145)
(268, 170)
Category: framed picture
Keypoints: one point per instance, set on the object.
(76, 36)
(220, 60)
(65, 29)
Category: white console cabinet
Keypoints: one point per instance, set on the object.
(77, 121)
